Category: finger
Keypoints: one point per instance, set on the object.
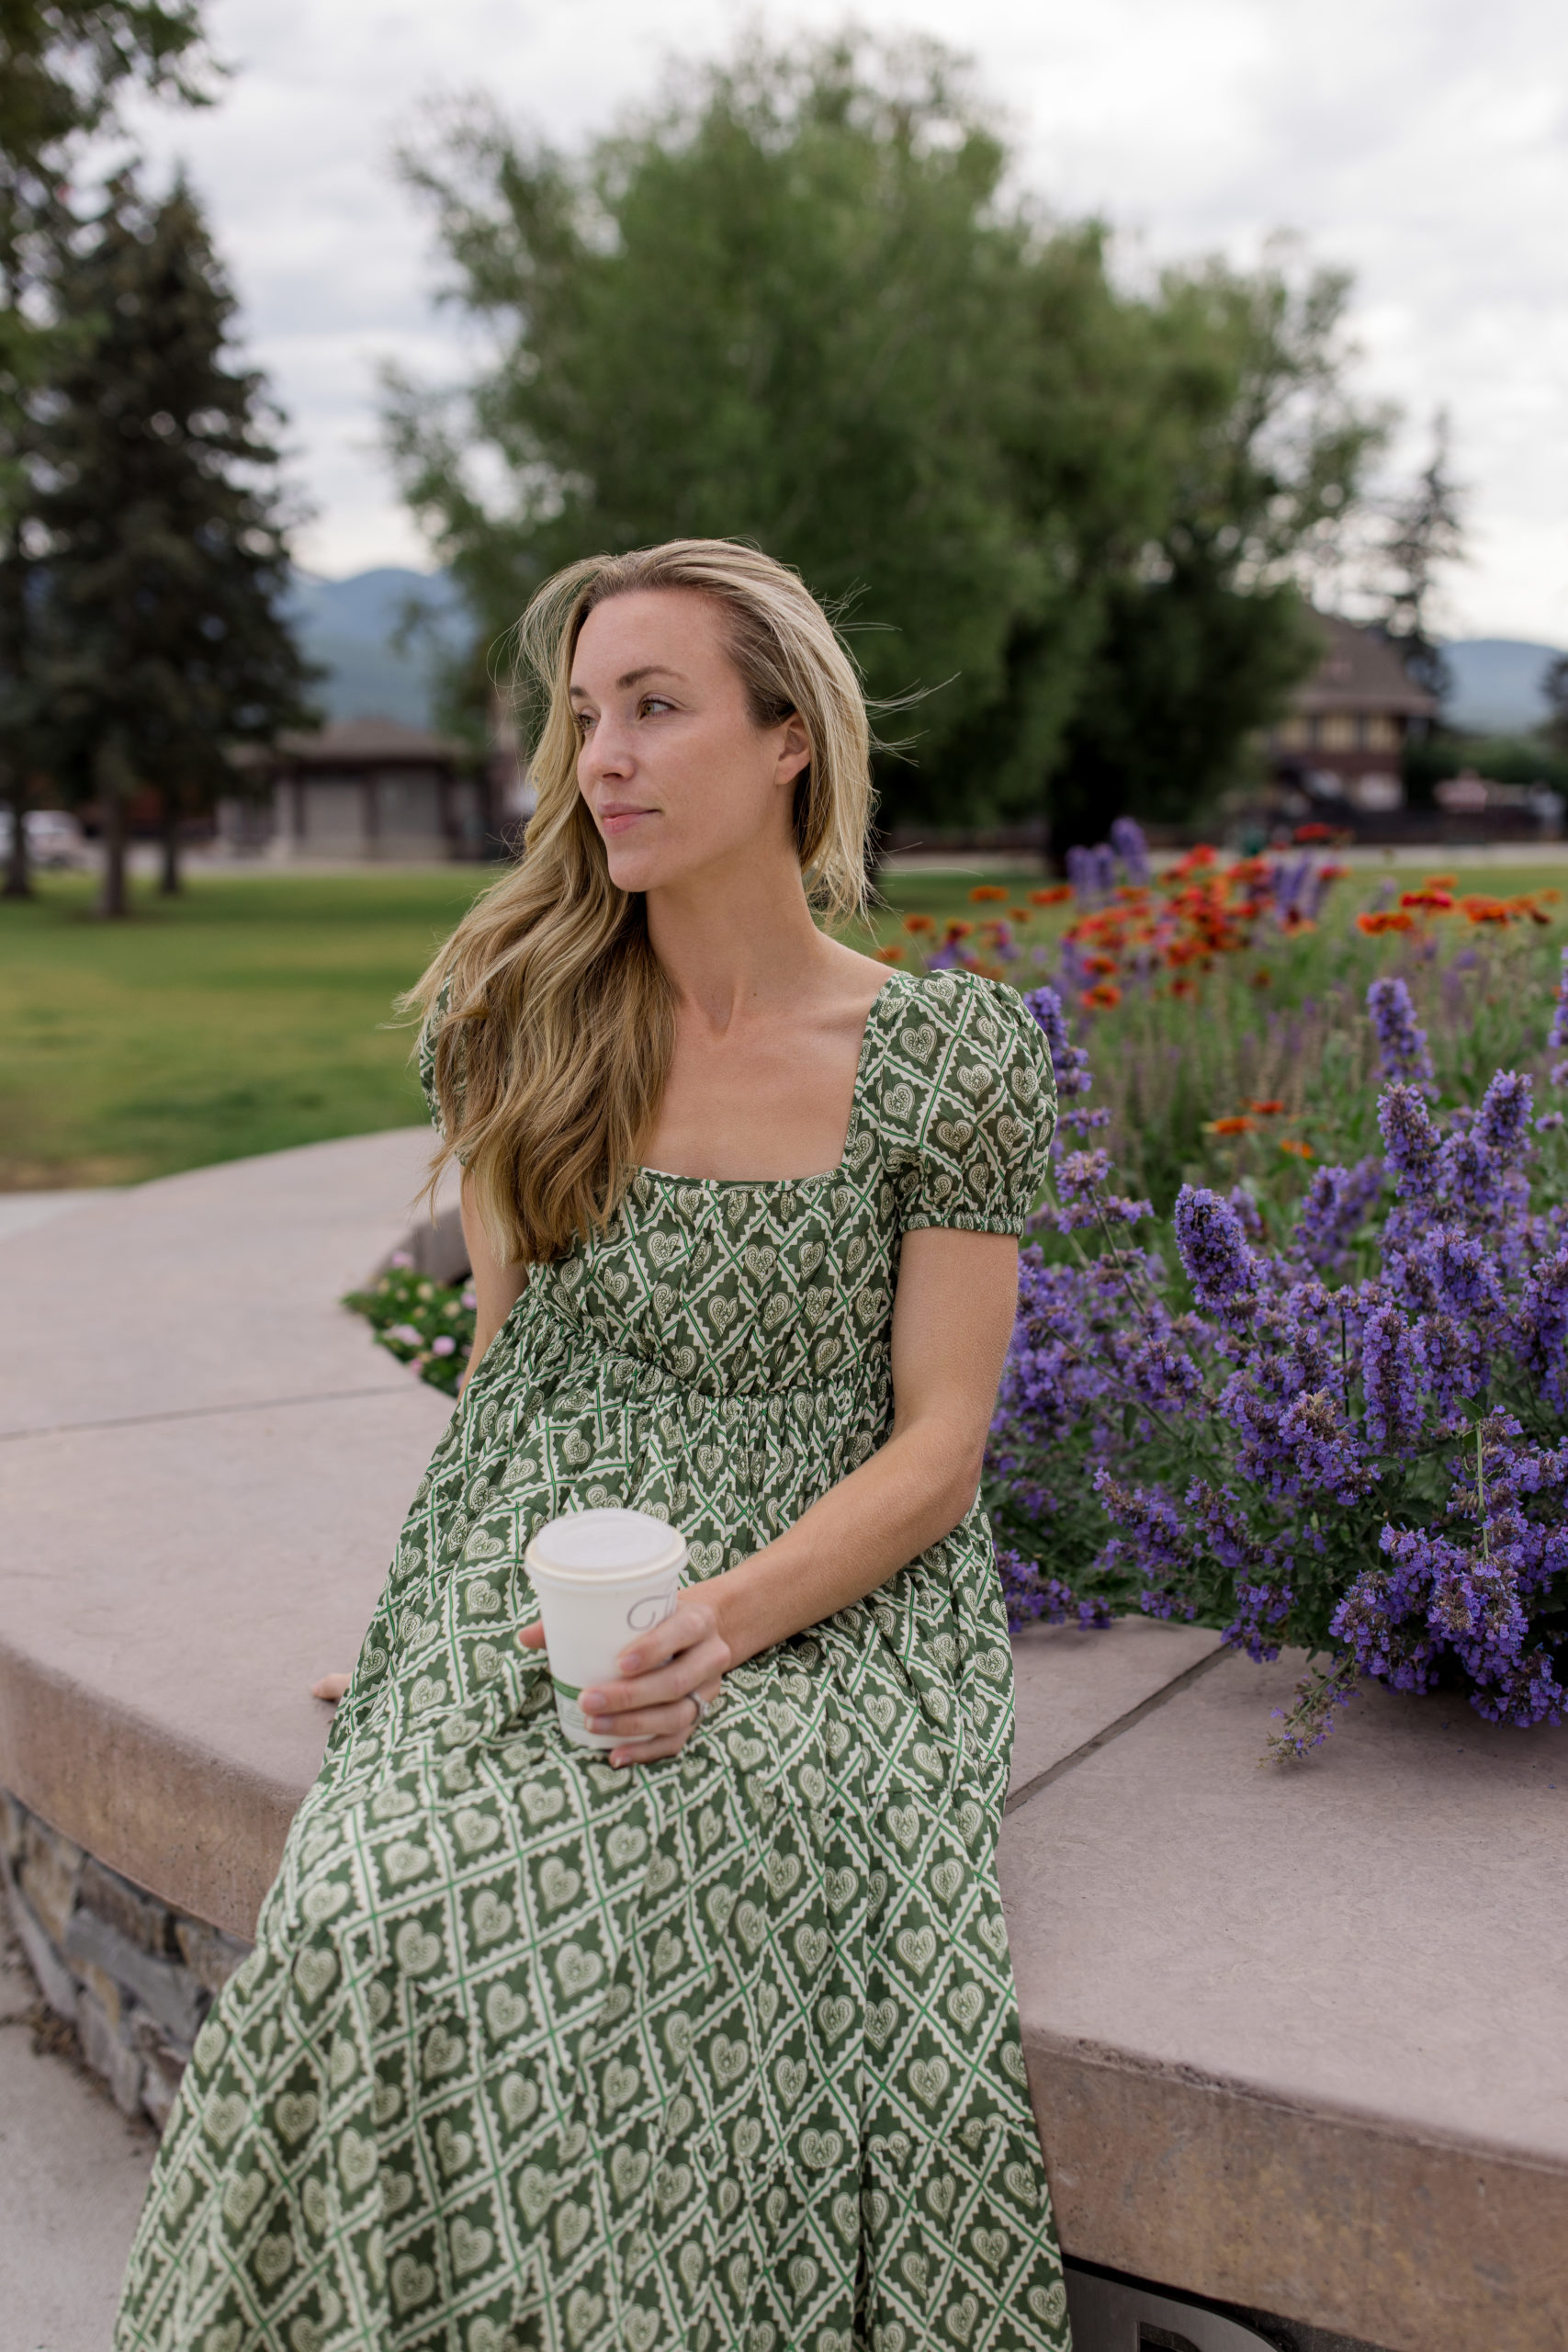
(533, 1637)
(692, 1623)
(684, 1674)
(330, 1687)
(648, 1722)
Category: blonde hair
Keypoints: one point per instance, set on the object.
(552, 1018)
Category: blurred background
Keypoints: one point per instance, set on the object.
(1166, 398)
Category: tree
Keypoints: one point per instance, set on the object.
(1554, 686)
(1425, 533)
(1206, 633)
(167, 557)
(792, 309)
(799, 305)
(62, 65)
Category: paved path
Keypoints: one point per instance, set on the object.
(71, 2175)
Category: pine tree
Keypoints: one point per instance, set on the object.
(63, 63)
(1426, 533)
(168, 552)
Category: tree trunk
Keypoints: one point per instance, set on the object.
(170, 884)
(18, 872)
(109, 780)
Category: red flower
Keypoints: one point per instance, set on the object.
(1101, 997)
(1238, 1127)
(983, 890)
(1269, 1109)
(1058, 896)
(919, 924)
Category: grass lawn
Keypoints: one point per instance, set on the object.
(256, 1012)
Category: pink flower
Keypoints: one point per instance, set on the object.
(445, 1346)
(399, 1258)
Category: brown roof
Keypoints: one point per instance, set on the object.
(368, 742)
(1359, 671)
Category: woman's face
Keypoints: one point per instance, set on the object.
(677, 775)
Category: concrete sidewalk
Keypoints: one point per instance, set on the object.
(71, 2176)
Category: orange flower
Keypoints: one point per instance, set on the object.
(1262, 978)
(1296, 922)
(1305, 833)
(1269, 1109)
(956, 930)
(1549, 897)
(1058, 896)
(1482, 910)
(1294, 1144)
(919, 924)
(1018, 915)
(1184, 988)
(1527, 909)
(1099, 962)
(983, 890)
(1438, 882)
(1436, 902)
(889, 954)
(1101, 997)
(1384, 919)
(1238, 1127)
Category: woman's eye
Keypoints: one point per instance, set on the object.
(653, 703)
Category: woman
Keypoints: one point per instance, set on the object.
(710, 2041)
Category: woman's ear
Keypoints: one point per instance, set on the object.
(794, 752)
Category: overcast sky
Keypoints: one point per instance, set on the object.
(1422, 143)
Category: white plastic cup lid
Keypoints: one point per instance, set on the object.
(603, 1544)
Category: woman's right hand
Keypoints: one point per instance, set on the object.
(330, 1687)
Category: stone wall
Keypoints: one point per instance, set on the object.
(134, 1978)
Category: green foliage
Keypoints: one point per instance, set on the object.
(166, 559)
(1506, 759)
(798, 305)
(63, 64)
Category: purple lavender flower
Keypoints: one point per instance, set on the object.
(1389, 1367)
(1070, 1062)
(1338, 1203)
(1213, 1244)
(1410, 1139)
(1502, 1121)
(1127, 840)
(1557, 1036)
(1083, 873)
(1402, 1051)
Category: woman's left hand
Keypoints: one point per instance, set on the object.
(650, 1705)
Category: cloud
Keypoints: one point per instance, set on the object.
(1422, 143)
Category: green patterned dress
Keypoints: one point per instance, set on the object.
(715, 2054)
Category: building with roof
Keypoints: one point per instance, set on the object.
(1343, 736)
(367, 789)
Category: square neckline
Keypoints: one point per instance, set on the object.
(825, 1175)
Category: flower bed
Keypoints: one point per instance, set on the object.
(1342, 1424)
(427, 1325)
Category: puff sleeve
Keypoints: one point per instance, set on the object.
(971, 1086)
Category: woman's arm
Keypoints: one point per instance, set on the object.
(497, 1288)
(952, 1320)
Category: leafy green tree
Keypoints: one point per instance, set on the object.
(1204, 635)
(62, 65)
(167, 557)
(799, 306)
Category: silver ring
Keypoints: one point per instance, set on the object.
(701, 1705)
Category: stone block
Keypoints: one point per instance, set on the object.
(210, 1954)
(166, 1988)
(13, 1817)
(102, 1989)
(140, 1919)
(48, 1873)
(164, 2063)
(56, 1980)
(104, 2051)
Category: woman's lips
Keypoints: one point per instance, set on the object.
(620, 820)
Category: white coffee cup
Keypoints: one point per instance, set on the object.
(603, 1576)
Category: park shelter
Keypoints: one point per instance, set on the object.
(362, 789)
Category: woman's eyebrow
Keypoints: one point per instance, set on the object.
(632, 678)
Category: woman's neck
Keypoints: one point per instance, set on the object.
(743, 941)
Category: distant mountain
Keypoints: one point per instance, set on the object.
(351, 628)
(1497, 685)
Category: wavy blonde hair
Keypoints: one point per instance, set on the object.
(551, 1017)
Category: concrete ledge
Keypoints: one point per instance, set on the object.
(1297, 2040)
